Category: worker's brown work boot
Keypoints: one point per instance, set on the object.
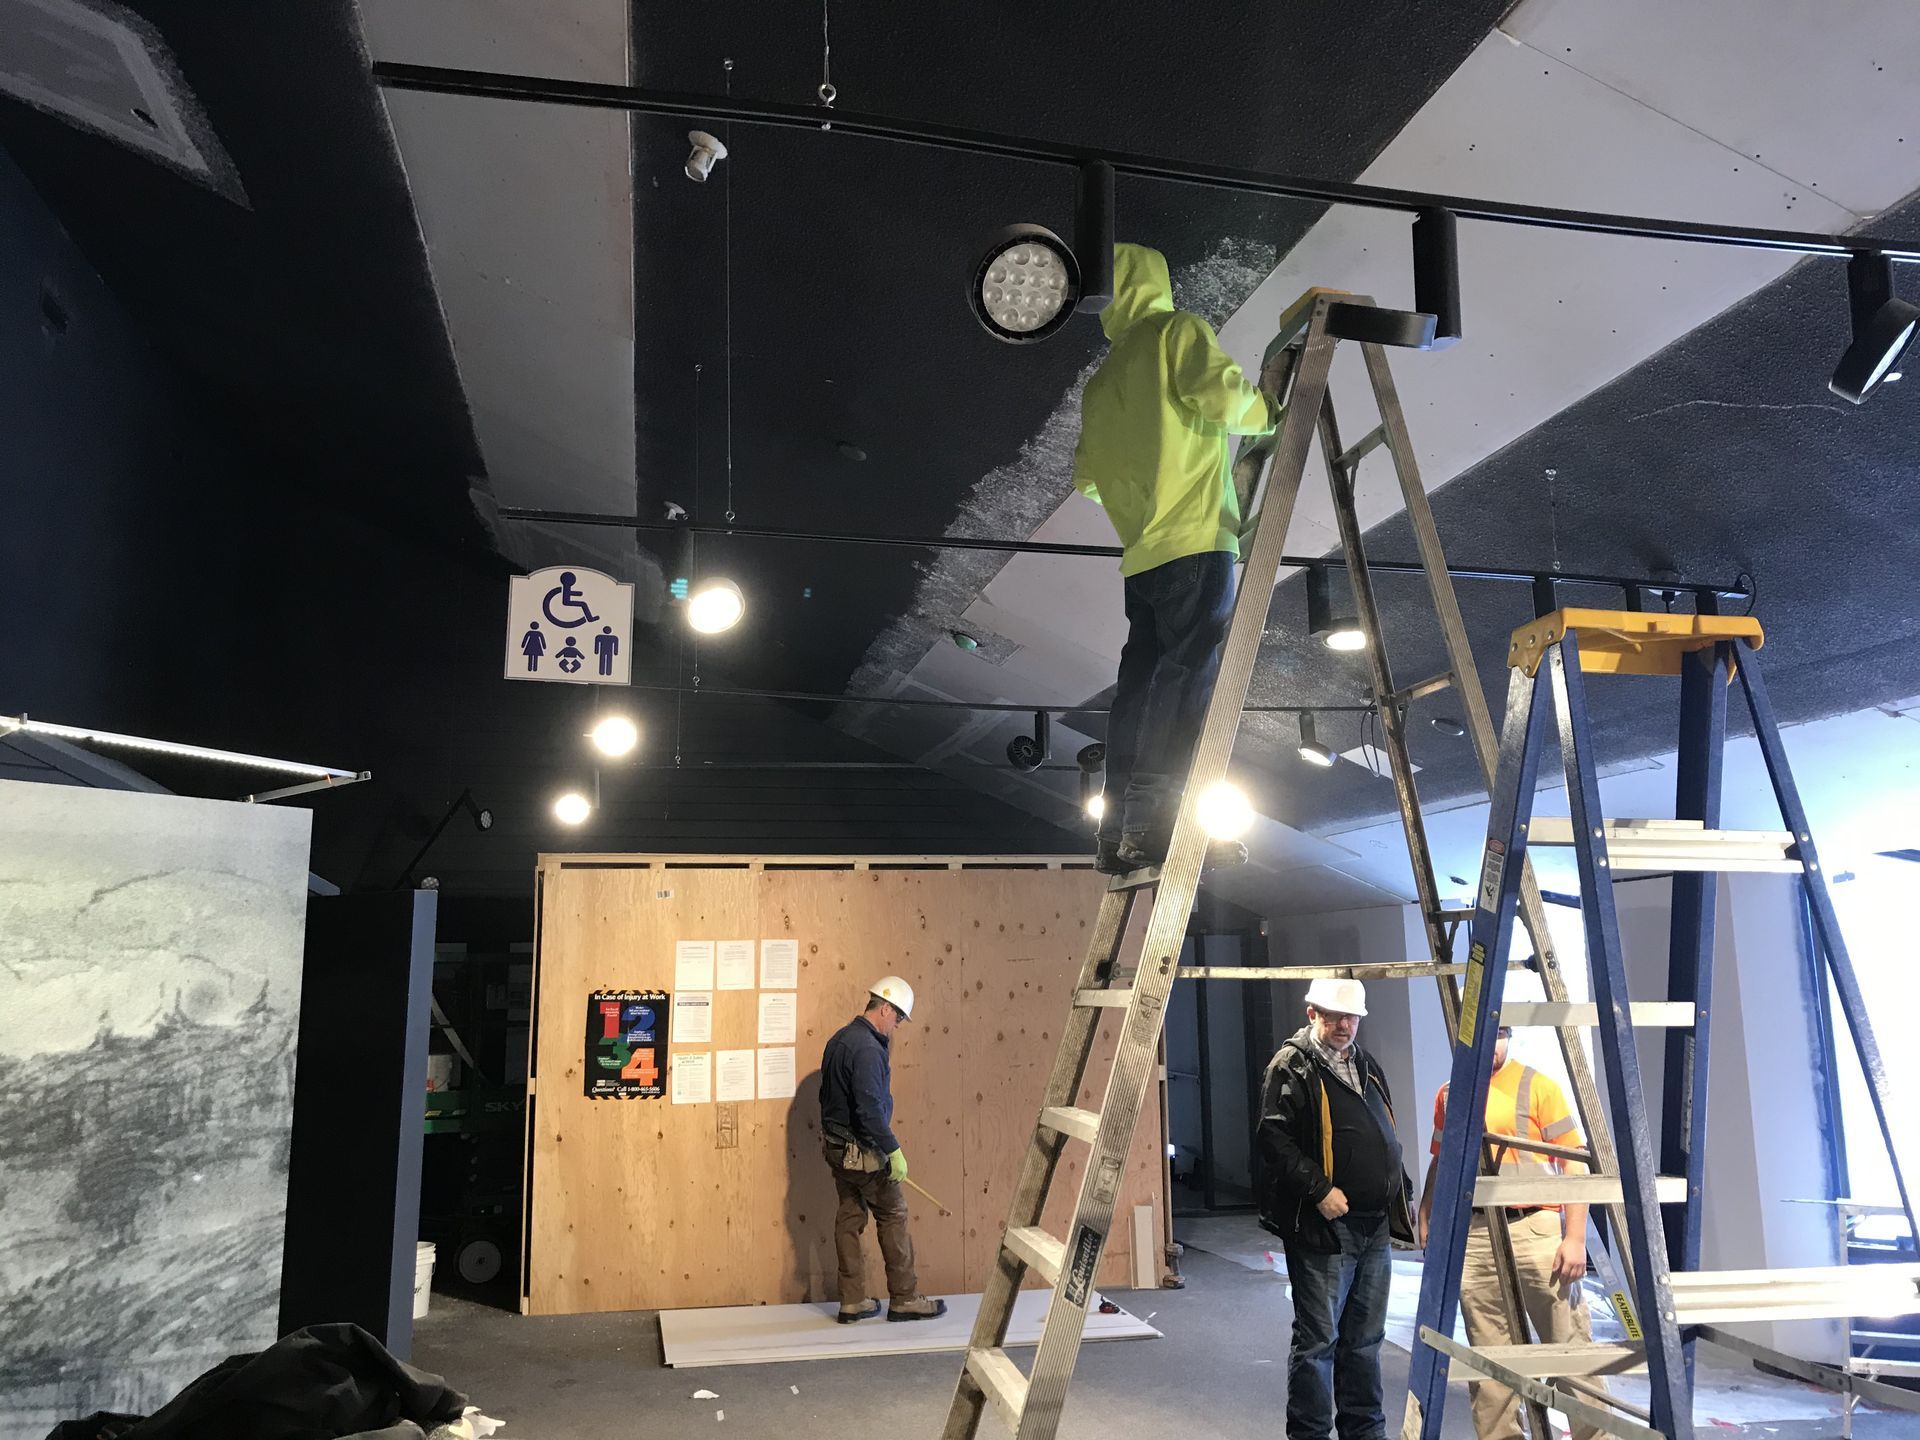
(918, 1308)
(865, 1310)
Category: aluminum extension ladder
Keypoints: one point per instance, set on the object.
(1269, 474)
(1679, 1304)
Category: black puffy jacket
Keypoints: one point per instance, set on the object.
(1296, 1151)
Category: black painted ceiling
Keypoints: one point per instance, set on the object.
(849, 257)
(830, 269)
(1721, 455)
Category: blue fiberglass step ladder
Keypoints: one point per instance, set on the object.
(1676, 1303)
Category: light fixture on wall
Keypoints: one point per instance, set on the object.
(1030, 281)
(1336, 632)
(1884, 327)
(572, 808)
(715, 606)
(614, 735)
(1224, 811)
(1311, 750)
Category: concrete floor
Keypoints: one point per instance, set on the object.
(1220, 1371)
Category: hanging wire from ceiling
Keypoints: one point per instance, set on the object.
(826, 92)
(728, 245)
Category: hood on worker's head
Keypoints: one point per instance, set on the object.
(1140, 288)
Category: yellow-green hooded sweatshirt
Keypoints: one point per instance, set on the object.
(1155, 419)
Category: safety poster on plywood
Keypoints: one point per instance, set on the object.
(627, 1044)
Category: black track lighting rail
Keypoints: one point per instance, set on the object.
(708, 109)
(1633, 586)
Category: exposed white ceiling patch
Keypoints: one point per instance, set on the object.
(541, 314)
(104, 68)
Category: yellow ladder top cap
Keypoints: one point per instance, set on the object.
(1628, 642)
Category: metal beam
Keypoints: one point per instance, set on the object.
(1054, 547)
(488, 85)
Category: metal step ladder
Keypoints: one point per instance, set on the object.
(1676, 1302)
(1268, 474)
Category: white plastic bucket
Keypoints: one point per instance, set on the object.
(422, 1276)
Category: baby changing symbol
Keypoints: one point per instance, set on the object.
(569, 624)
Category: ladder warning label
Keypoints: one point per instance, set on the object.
(1492, 864)
(1086, 1259)
(1470, 994)
(1623, 1307)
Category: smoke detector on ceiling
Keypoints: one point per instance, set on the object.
(98, 65)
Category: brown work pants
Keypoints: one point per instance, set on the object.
(1555, 1320)
(861, 1192)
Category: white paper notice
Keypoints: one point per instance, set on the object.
(734, 1075)
(776, 1073)
(779, 1019)
(692, 1077)
(736, 964)
(692, 1018)
(779, 964)
(693, 965)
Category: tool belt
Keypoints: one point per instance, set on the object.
(852, 1155)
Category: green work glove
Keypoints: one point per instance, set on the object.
(897, 1166)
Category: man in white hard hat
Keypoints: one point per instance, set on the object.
(856, 1121)
(1337, 1197)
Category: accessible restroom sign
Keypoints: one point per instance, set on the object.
(570, 624)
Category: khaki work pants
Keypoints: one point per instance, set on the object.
(861, 1192)
(1555, 1320)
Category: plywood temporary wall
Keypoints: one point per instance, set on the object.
(643, 1204)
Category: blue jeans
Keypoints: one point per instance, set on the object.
(1339, 1320)
(1177, 615)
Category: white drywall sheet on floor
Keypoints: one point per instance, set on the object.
(765, 1334)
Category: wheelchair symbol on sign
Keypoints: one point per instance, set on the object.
(570, 600)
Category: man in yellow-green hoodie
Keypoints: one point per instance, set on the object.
(1154, 452)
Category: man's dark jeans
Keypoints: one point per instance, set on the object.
(1339, 1320)
(1177, 615)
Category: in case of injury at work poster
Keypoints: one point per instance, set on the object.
(626, 1044)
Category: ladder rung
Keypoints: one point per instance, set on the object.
(1430, 686)
(1003, 1383)
(1386, 970)
(1071, 1120)
(1103, 999)
(1544, 1189)
(1678, 845)
(1135, 879)
(1719, 1297)
(1037, 1250)
(1547, 1361)
(1363, 447)
(1651, 1014)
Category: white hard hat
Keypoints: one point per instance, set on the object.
(896, 992)
(1348, 997)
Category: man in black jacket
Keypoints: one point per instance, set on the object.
(1337, 1197)
(856, 1124)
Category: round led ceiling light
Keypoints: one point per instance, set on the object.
(1026, 286)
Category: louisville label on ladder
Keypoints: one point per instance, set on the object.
(1553, 655)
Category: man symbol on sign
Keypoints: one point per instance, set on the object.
(570, 657)
(606, 645)
(533, 645)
